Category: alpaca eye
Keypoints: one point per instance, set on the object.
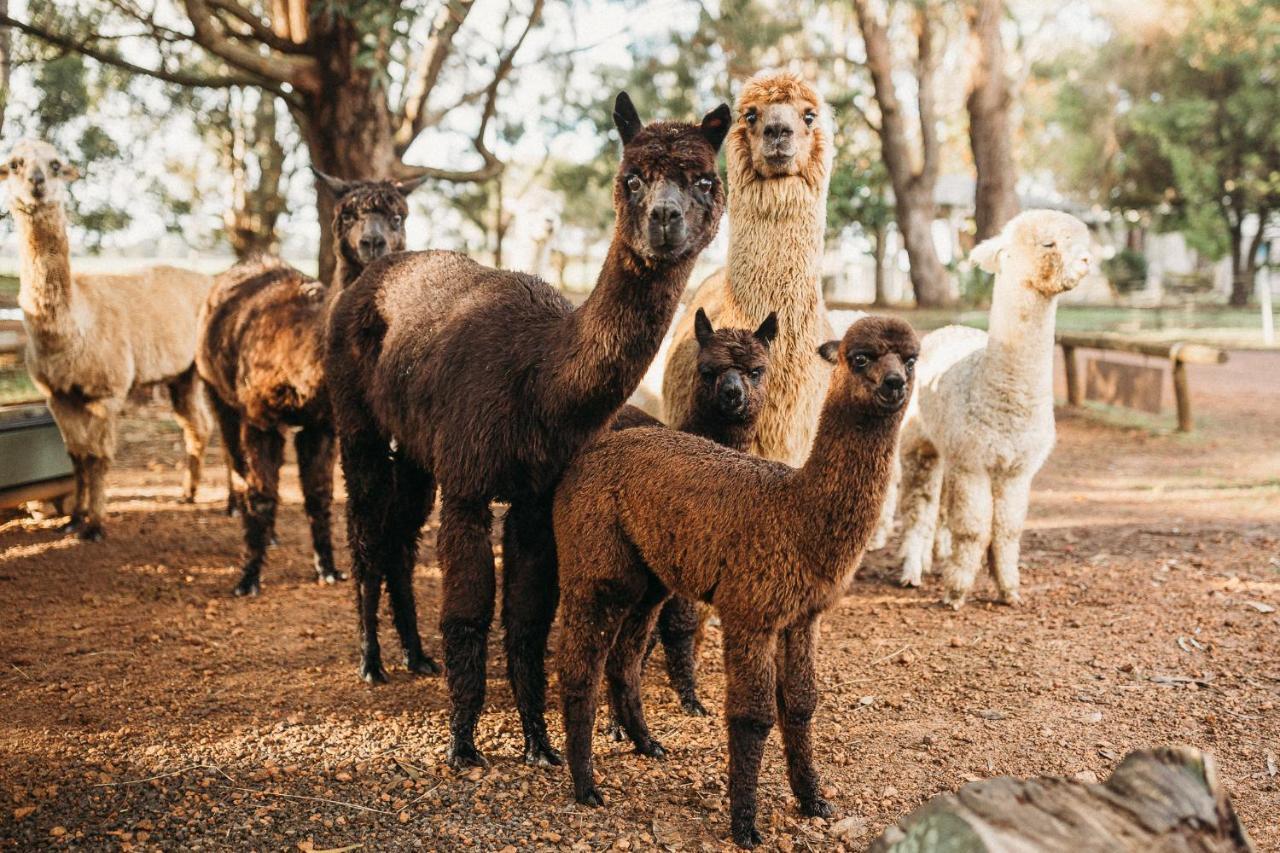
(1051, 244)
(911, 364)
(861, 360)
(756, 374)
(705, 184)
(751, 117)
(707, 373)
(634, 184)
(810, 117)
(55, 167)
(16, 164)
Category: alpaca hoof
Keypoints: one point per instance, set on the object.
(187, 499)
(420, 664)
(330, 577)
(1012, 599)
(232, 509)
(91, 533)
(590, 797)
(539, 753)
(909, 580)
(816, 806)
(692, 707)
(747, 837)
(372, 673)
(615, 733)
(247, 588)
(953, 599)
(464, 755)
(651, 749)
(72, 527)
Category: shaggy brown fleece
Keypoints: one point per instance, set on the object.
(777, 222)
(645, 512)
(487, 382)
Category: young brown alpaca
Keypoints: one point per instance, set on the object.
(261, 356)
(644, 513)
(488, 383)
(731, 386)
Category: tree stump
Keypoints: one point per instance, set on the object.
(1166, 799)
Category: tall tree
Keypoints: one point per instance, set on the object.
(6, 62)
(330, 62)
(988, 101)
(913, 175)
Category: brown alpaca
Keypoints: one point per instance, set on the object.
(91, 339)
(645, 513)
(779, 155)
(732, 382)
(488, 383)
(261, 356)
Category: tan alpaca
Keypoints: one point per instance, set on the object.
(92, 338)
(779, 155)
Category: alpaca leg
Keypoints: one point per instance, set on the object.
(95, 473)
(922, 472)
(466, 560)
(1010, 497)
(749, 709)
(529, 598)
(264, 453)
(797, 698)
(80, 499)
(366, 467)
(968, 513)
(315, 448)
(414, 493)
(89, 433)
(229, 426)
(678, 626)
(625, 664)
(191, 411)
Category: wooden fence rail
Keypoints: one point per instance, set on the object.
(1179, 354)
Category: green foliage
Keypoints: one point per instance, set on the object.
(1126, 270)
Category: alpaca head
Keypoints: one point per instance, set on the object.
(1045, 250)
(875, 363)
(37, 174)
(667, 194)
(782, 129)
(368, 217)
(732, 369)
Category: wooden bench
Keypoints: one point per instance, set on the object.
(1179, 354)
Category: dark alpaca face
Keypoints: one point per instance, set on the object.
(880, 355)
(667, 194)
(733, 369)
(368, 216)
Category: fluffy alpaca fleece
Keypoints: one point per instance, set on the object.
(645, 513)
(777, 220)
(731, 382)
(488, 383)
(261, 356)
(93, 338)
(981, 423)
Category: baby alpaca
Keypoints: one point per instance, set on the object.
(981, 423)
(731, 383)
(645, 513)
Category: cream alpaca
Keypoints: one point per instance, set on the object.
(981, 422)
(92, 338)
(779, 156)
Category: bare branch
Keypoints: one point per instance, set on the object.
(257, 27)
(413, 112)
(297, 71)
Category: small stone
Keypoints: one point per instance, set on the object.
(22, 811)
(403, 817)
(58, 831)
(1086, 776)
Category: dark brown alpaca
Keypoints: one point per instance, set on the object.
(648, 512)
(731, 382)
(261, 355)
(487, 383)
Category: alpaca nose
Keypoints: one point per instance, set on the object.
(732, 393)
(373, 244)
(777, 130)
(895, 382)
(666, 215)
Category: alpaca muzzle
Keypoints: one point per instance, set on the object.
(892, 393)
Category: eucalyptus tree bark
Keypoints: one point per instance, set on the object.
(913, 186)
(988, 102)
(327, 62)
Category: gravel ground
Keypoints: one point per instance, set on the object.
(141, 707)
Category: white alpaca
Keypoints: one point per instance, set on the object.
(92, 338)
(981, 422)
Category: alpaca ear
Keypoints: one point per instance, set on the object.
(829, 351)
(702, 328)
(69, 172)
(987, 253)
(626, 118)
(715, 125)
(768, 329)
(406, 187)
(337, 187)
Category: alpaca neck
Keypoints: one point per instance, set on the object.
(708, 424)
(842, 485)
(45, 270)
(601, 351)
(1020, 344)
(345, 272)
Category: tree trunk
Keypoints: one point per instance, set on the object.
(5, 45)
(250, 220)
(1241, 287)
(995, 197)
(878, 238)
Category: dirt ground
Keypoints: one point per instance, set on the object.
(141, 707)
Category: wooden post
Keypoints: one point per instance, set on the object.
(1181, 391)
(1074, 396)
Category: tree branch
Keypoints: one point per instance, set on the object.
(258, 28)
(413, 111)
(297, 71)
(926, 66)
